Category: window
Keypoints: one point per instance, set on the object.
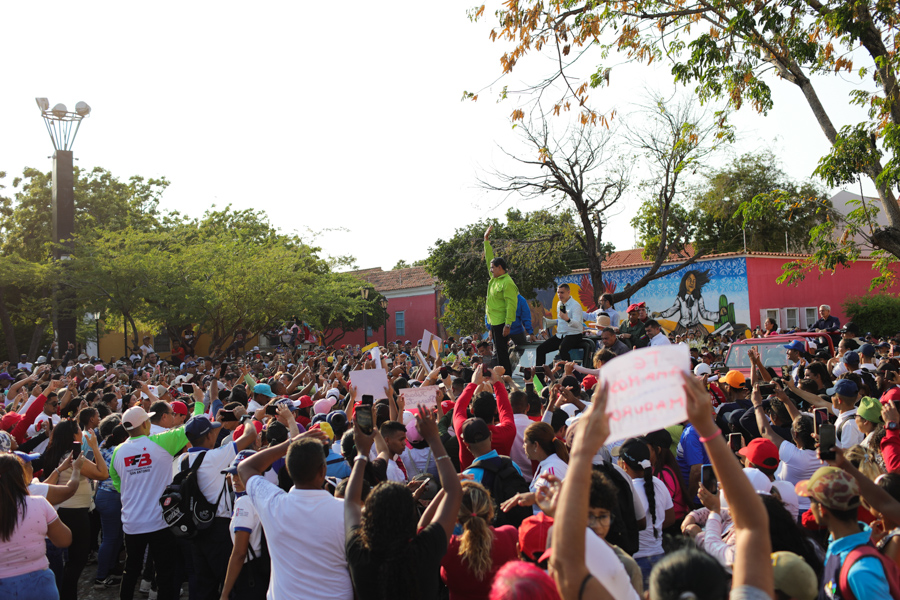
(161, 342)
(793, 317)
(812, 315)
(400, 323)
(369, 331)
(772, 313)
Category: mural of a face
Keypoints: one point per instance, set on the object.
(690, 284)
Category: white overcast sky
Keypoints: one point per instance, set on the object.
(348, 117)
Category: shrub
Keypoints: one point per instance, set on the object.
(879, 313)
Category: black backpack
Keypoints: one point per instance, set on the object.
(623, 531)
(185, 509)
(503, 481)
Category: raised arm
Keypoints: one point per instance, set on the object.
(448, 510)
(353, 496)
(752, 560)
(762, 421)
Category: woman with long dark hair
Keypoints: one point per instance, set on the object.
(689, 305)
(24, 523)
(475, 556)
(541, 445)
(634, 458)
(788, 536)
(387, 557)
(74, 511)
(665, 468)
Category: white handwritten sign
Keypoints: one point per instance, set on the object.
(425, 396)
(645, 390)
(369, 381)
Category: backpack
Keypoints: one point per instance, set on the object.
(185, 509)
(503, 481)
(868, 549)
(623, 530)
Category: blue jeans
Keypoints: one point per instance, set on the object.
(109, 505)
(37, 585)
(646, 564)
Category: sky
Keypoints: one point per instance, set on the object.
(346, 126)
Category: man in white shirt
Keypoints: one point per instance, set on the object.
(569, 327)
(140, 469)
(657, 337)
(211, 549)
(607, 306)
(843, 398)
(304, 527)
(24, 364)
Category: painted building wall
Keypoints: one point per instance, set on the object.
(831, 288)
(719, 299)
(420, 312)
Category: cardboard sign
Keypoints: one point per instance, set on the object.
(425, 396)
(369, 381)
(422, 360)
(645, 390)
(428, 344)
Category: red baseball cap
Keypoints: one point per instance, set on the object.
(761, 452)
(9, 421)
(179, 407)
(305, 402)
(239, 430)
(447, 406)
(589, 382)
(892, 395)
(534, 535)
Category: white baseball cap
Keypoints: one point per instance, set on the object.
(702, 369)
(135, 416)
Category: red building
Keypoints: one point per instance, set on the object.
(413, 305)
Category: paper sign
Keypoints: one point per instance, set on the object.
(376, 356)
(422, 360)
(427, 345)
(645, 390)
(369, 381)
(425, 396)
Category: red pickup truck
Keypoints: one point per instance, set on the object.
(772, 350)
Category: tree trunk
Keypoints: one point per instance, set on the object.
(134, 333)
(12, 348)
(36, 340)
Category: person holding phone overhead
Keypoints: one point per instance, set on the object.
(502, 299)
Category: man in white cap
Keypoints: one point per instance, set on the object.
(140, 469)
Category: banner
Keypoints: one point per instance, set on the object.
(423, 396)
(646, 391)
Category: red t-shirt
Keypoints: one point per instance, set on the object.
(459, 579)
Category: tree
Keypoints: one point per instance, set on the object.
(538, 247)
(402, 264)
(730, 51)
(335, 324)
(715, 214)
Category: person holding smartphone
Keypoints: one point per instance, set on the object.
(502, 301)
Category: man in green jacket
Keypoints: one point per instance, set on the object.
(632, 332)
(502, 298)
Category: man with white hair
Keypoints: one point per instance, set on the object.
(827, 322)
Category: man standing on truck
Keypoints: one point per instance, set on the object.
(827, 322)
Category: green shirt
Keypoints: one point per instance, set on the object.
(638, 338)
(502, 294)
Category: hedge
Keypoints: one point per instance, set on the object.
(878, 313)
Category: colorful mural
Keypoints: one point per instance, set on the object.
(710, 296)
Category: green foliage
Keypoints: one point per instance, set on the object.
(464, 317)
(402, 264)
(535, 245)
(648, 223)
(878, 313)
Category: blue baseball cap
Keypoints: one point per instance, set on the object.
(851, 358)
(844, 387)
(237, 460)
(867, 350)
(796, 345)
(198, 426)
(263, 388)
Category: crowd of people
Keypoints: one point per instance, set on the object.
(271, 475)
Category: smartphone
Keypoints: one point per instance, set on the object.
(271, 410)
(766, 389)
(820, 415)
(444, 372)
(364, 419)
(735, 441)
(827, 440)
(76, 450)
(708, 479)
(527, 372)
(562, 308)
(368, 399)
(187, 388)
(529, 387)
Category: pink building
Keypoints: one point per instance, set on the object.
(413, 305)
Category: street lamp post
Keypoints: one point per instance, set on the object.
(384, 303)
(96, 316)
(365, 296)
(63, 126)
